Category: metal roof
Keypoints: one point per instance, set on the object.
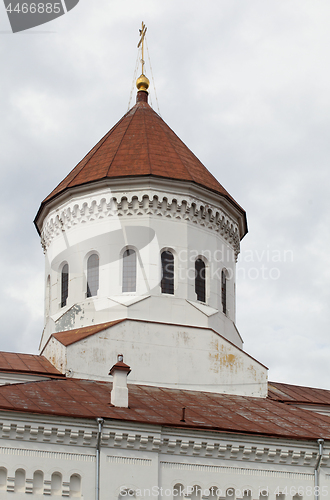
(12, 362)
(141, 144)
(161, 406)
(297, 394)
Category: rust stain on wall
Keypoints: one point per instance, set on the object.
(221, 359)
(253, 372)
(183, 336)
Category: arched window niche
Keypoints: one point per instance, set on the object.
(38, 482)
(230, 494)
(19, 481)
(214, 493)
(56, 484)
(3, 478)
(264, 493)
(75, 486)
(167, 282)
(126, 493)
(129, 271)
(196, 493)
(93, 275)
(178, 491)
(200, 280)
(64, 284)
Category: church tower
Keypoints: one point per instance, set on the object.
(141, 244)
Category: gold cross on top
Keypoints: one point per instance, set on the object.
(141, 42)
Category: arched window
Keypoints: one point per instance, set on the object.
(167, 283)
(92, 275)
(19, 481)
(56, 483)
(178, 492)
(213, 493)
(75, 485)
(38, 482)
(129, 270)
(230, 494)
(3, 478)
(64, 285)
(196, 493)
(126, 493)
(224, 291)
(200, 280)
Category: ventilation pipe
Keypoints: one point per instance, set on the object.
(100, 423)
(119, 393)
(320, 442)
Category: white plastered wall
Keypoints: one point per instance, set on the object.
(139, 458)
(165, 355)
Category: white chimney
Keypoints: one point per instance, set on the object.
(119, 393)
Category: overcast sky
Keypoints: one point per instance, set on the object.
(245, 84)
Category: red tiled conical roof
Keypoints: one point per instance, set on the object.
(140, 144)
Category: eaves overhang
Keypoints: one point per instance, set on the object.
(142, 181)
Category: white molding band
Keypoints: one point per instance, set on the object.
(70, 435)
(140, 203)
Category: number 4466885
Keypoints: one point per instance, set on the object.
(35, 8)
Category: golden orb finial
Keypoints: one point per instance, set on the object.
(142, 83)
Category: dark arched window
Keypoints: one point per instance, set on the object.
(167, 283)
(200, 279)
(129, 271)
(64, 284)
(224, 291)
(92, 275)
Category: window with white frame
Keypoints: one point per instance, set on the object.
(224, 291)
(129, 271)
(92, 275)
(167, 283)
(200, 280)
(64, 285)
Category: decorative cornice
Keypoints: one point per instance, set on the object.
(236, 470)
(140, 203)
(120, 437)
(80, 457)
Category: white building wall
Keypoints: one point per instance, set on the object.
(145, 460)
(164, 355)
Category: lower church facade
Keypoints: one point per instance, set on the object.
(109, 458)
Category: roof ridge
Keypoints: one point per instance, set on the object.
(99, 144)
(121, 140)
(146, 134)
(164, 125)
